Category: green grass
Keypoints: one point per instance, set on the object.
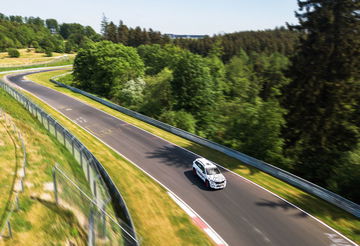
(157, 218)
(10, 154)
(38, 217)
(338, 219)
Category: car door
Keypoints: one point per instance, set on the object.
(202, 172)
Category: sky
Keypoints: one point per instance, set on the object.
(168, 16)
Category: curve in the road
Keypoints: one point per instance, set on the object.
(242, 213)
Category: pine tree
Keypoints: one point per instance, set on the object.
(111, 32)
(322, 120)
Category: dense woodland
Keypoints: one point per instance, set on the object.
(44, 35)
(280, 40)
(289, 96)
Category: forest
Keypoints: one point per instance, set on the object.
(43, 35)
(288, 96)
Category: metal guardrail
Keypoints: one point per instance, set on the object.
(99, 180)
(20, 176)
(290, 178)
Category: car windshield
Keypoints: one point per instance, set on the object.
(212, 171)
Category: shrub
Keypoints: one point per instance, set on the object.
(39, 50)
(48, 53)
(13, 52)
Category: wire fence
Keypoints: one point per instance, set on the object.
(13, 207)
(92, 213)
(101, 186)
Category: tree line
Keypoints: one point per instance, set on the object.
(43, 35)
(280, 40)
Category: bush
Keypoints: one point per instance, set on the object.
(35, 44)
(48, 53)
(13, 52)
(39, 50)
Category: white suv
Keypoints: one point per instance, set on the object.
(209, 173)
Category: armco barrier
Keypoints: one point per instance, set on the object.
(100, 177)
(292, 179)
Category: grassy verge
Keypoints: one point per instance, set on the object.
(157, 218)
(342, 221)
(39, 221)
(10, 155)
(69, 61)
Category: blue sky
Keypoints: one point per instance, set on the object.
(170, 16)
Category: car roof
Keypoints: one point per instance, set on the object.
(206, 162)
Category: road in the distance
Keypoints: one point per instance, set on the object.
(242, 213)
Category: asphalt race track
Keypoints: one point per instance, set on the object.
(242, 213)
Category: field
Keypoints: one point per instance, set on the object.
(31, 58)
(331, 215)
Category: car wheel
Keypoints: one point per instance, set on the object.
(194, 172)
(207, 184)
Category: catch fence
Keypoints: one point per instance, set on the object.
(101, 186)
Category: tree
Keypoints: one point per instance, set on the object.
(14, 53)
(52, 25)
(123, 33)
(179, 119)
(322, 99)
(157, 94)
(194, 90)
(102, 66)
(130, 93)
(111, 32)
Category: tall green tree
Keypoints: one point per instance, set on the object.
(194, 90)
(323, 98)
(104, 67)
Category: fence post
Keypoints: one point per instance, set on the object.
(9, 228)
(55, 187)
(103, 219)
(91, 228)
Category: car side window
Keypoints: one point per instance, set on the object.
(200, 166)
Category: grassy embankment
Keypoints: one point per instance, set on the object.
(157, 218)
(342, 221)
(10, 155)
(33, 60)
(38, 221)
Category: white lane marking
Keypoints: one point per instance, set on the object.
(182, 205)
(336, 241)
(79, 119)
(266, 239)
(169, 191)
(245, 179)
(212, 234)
(68, 109)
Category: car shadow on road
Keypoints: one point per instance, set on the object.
(195, 180)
